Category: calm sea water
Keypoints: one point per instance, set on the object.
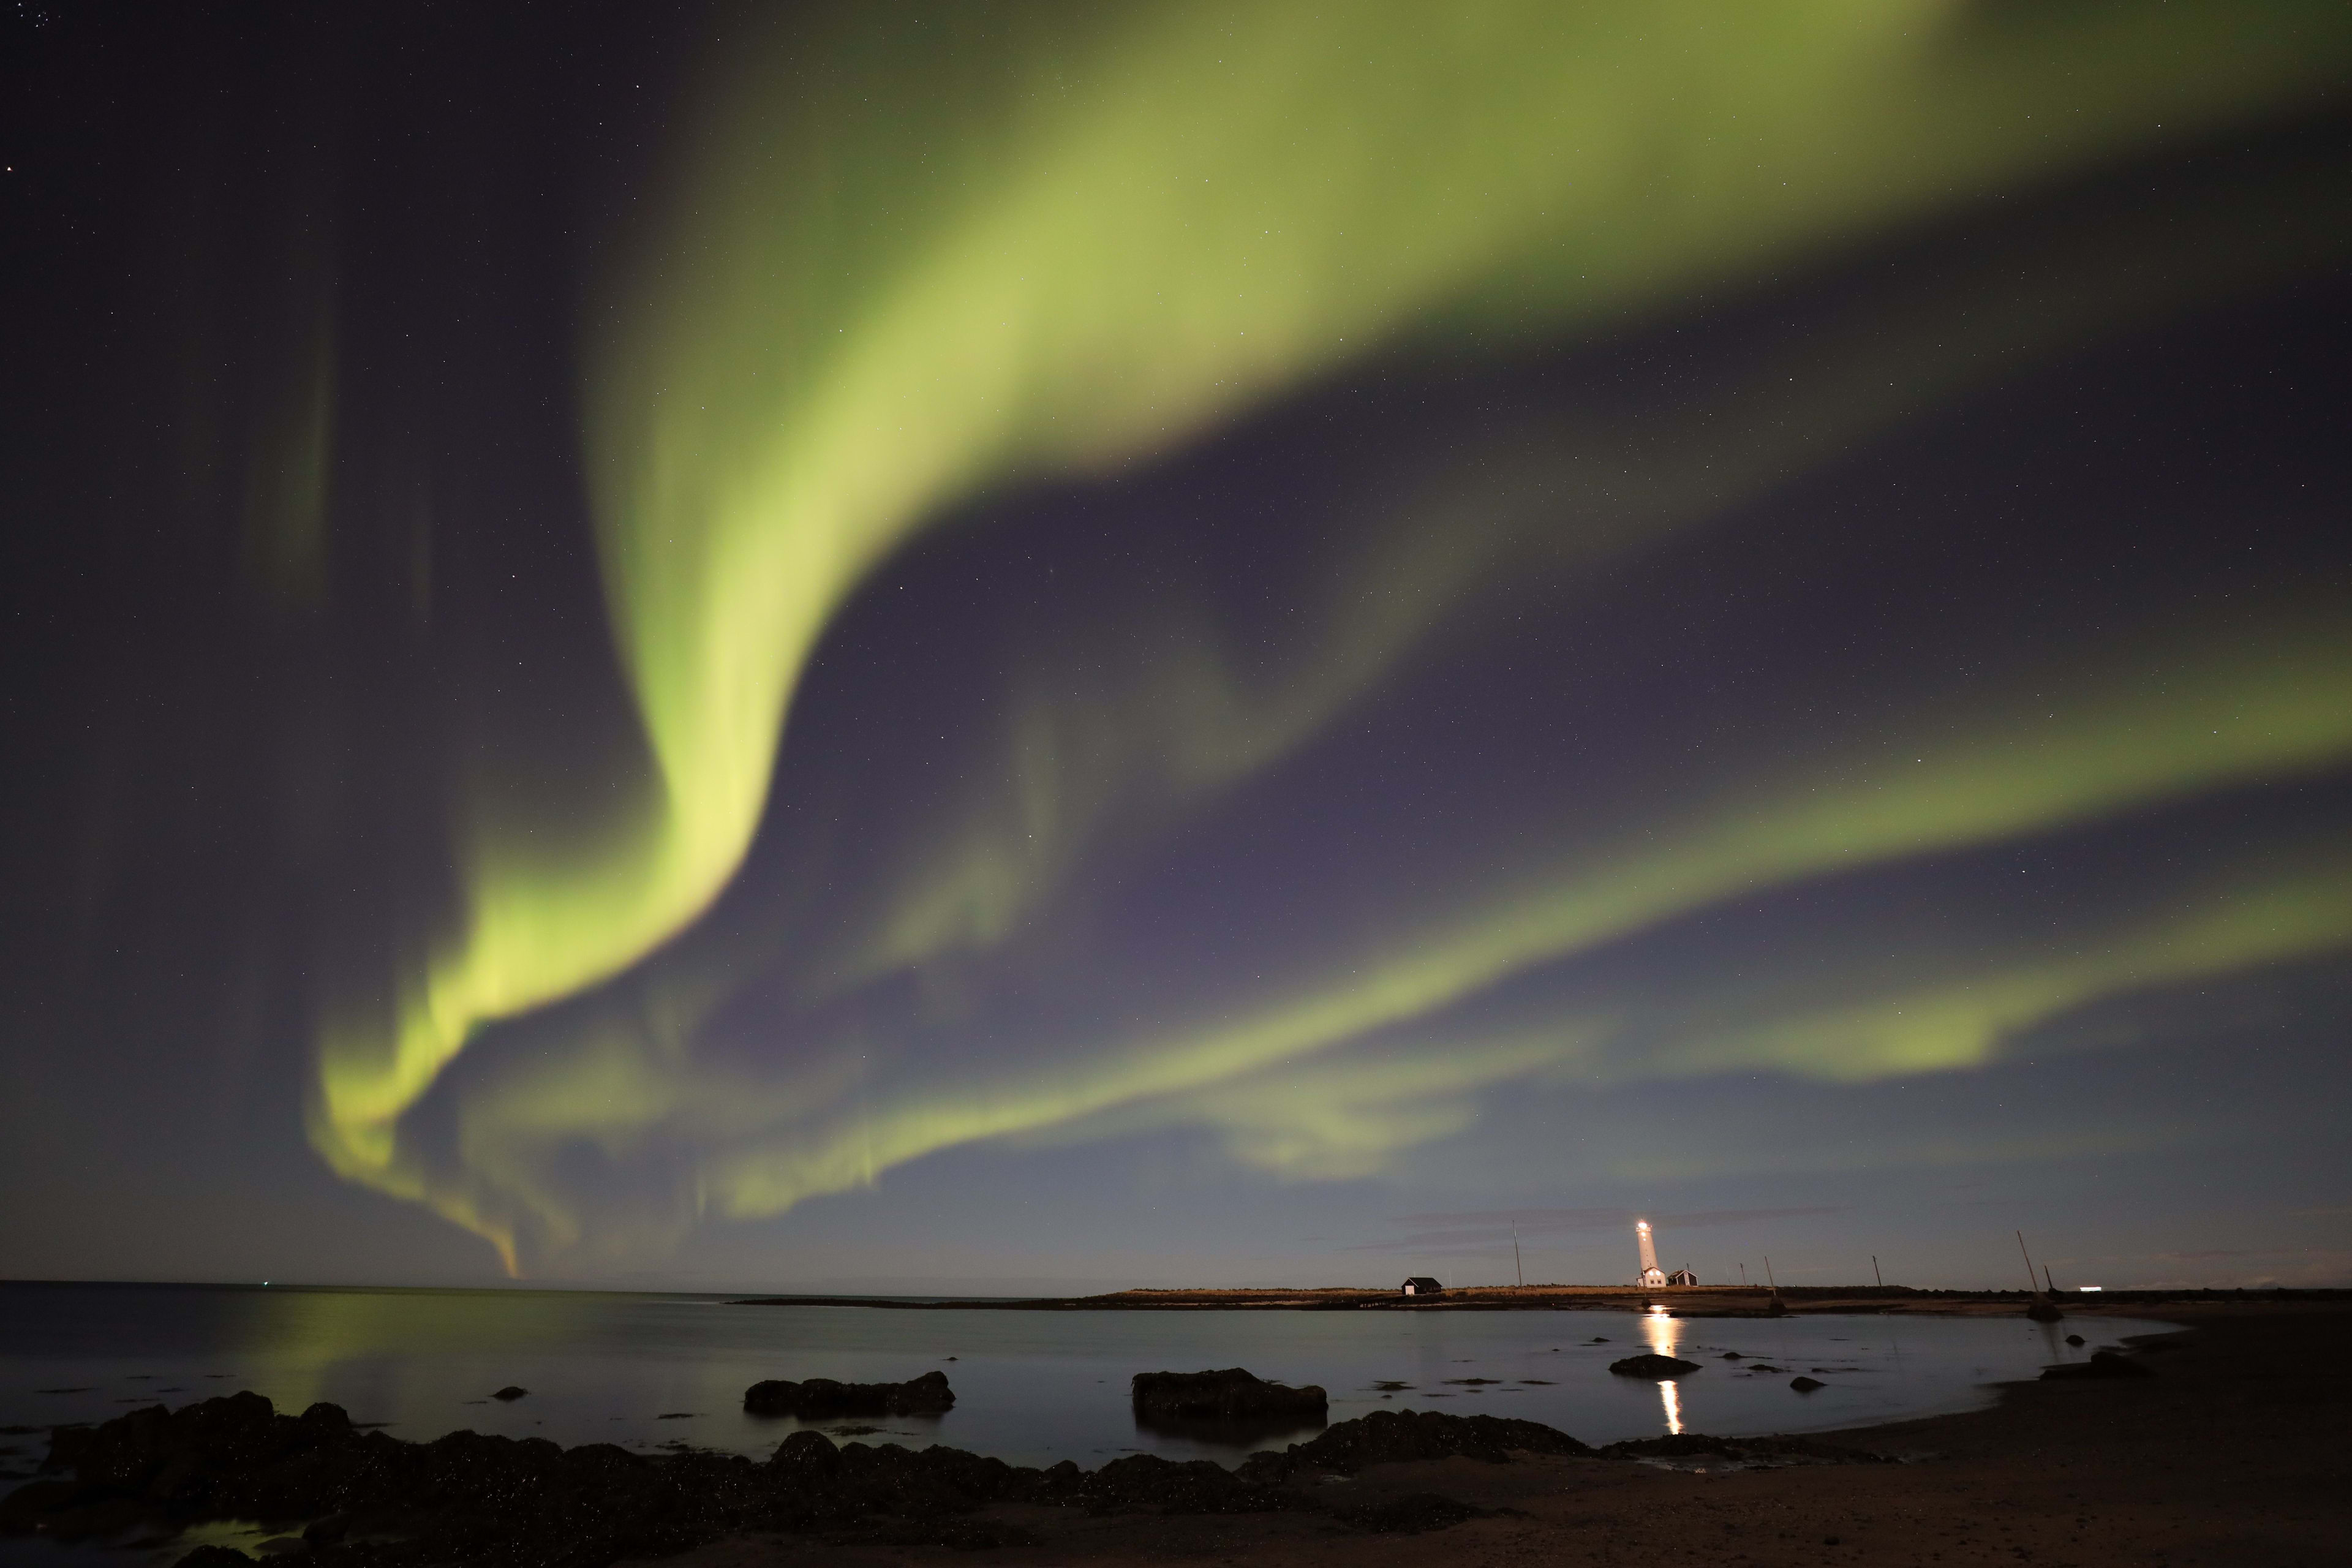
(1031, 1387)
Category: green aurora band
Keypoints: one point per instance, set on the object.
(907, 263)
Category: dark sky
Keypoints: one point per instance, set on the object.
(1060, 646)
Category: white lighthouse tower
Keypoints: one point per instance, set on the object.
(1651, 1273)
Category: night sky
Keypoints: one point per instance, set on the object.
(1003, 647)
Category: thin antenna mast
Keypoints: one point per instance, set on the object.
(2029, 1281)
(1873, 1270)
(1515, 1256)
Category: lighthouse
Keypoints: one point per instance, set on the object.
(1651, 1273)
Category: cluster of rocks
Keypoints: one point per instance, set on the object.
(1396, 1436)
(371, 1497)
(1672, 1366)
(372, 1500)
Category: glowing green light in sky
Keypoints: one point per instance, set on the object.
(906, 263)
(2244, 710)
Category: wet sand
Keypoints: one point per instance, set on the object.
(2237, 1451)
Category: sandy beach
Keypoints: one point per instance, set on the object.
(2235, 1451)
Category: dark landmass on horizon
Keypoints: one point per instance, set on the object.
(1684, 1300)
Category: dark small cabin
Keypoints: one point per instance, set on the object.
(1682, 1276)
(1422, 1285)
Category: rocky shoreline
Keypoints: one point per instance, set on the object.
(353, 1499)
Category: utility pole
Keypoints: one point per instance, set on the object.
(2045, 1280)
(1515, 1256)
(1743, 1277)
(1874, 1273)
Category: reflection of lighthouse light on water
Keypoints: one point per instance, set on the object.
(1663, 1333)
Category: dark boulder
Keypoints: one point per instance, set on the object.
(200, 1454)
(2074, 1339)
(2043, 1311)
(510, 1393)
(1806, 1385)
(1652, 1366)
(1233, 1394)
(806, 1457)
(2102, 1364)
(1394, 1436)
(822, 1396)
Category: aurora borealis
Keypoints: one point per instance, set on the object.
(852, 643)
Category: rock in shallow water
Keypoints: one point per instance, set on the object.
(1652, 1366)
(820, 1396)
(1233, 1394)
(1392, 1436)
